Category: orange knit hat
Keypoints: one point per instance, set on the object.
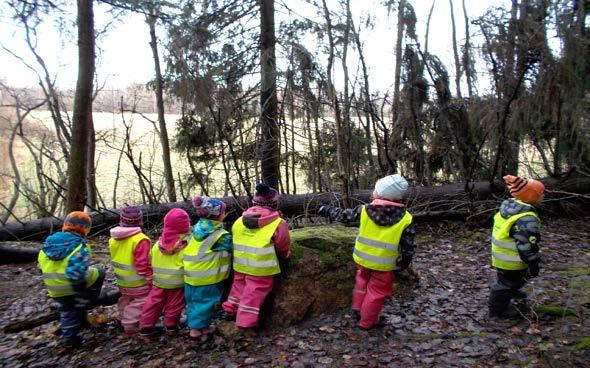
(78, 222)
(526, 190)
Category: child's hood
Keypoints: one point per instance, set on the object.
(385, 213)
(257, 216)
(511, 207)
(204, 227)
(59, 245)
(172, 244)
(123, 232)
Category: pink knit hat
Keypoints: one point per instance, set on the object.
(266, 196)
(131, 217)
(176, 223)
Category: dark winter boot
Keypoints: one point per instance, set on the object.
(511, 312)
(147, 333)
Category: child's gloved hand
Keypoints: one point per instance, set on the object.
(324, 211)
(284, 265)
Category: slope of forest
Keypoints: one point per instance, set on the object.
(441, 321)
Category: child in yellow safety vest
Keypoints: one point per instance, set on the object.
(515, 244)
(207, 262)
(166, 294)
(260, 239)
(68, 275)
(129, 248)
(385, 243)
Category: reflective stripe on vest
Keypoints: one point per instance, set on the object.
(203, 266)
(504, 252)
(168, 268)
(377, 247)
(254, 253)
(123, 260)
(54, 274)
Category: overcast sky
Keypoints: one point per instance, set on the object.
(125, 55)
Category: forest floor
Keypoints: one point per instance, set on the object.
(443, 321)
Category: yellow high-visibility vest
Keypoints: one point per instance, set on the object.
(54, 274)
(377, 247)
(504, 252)
(168, 268)
(123, 260)
(254, 253)
(202, 266)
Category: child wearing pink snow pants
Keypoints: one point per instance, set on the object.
(385, 243)
(260, 237)
(167, 294)
(129, 248)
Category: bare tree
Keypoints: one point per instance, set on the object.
(455, 52)
(76, 198)
(269, 152)
(158, 83)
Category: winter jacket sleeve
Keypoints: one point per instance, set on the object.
(406, 244)
(77, 266)
(527, 235)
(350, 216)
(282, 240)
(142, 258)
(224, 243)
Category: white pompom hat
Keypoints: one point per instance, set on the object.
(391, 187)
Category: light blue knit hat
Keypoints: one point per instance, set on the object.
(391, 187)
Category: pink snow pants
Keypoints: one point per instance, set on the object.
(370, 290)
(130, 303)
(246, 297)
(169, 301)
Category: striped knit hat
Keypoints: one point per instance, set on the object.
(131, 217)
(526, 190)
(78, 222)
(266, 196)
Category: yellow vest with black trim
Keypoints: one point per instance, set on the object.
(54, 274)
(254, 253)
(123, 260)
(203, 266)
(377, 247)
(504, 252)
(168, 268)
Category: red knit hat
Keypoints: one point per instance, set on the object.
(526, 190)
(78, 222)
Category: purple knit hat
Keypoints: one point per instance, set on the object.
(210, 208)
(266, 196)
(131, 217)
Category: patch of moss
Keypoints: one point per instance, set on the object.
(333, 243)
(573, 271)
(554, 310)
(582, 344)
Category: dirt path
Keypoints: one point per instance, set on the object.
(442, 322)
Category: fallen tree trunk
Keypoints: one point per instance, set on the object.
(106, 299)
(291, 205)
(452, 201)
(15, 254)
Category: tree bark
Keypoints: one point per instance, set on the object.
(76, 196)
(269, 152)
